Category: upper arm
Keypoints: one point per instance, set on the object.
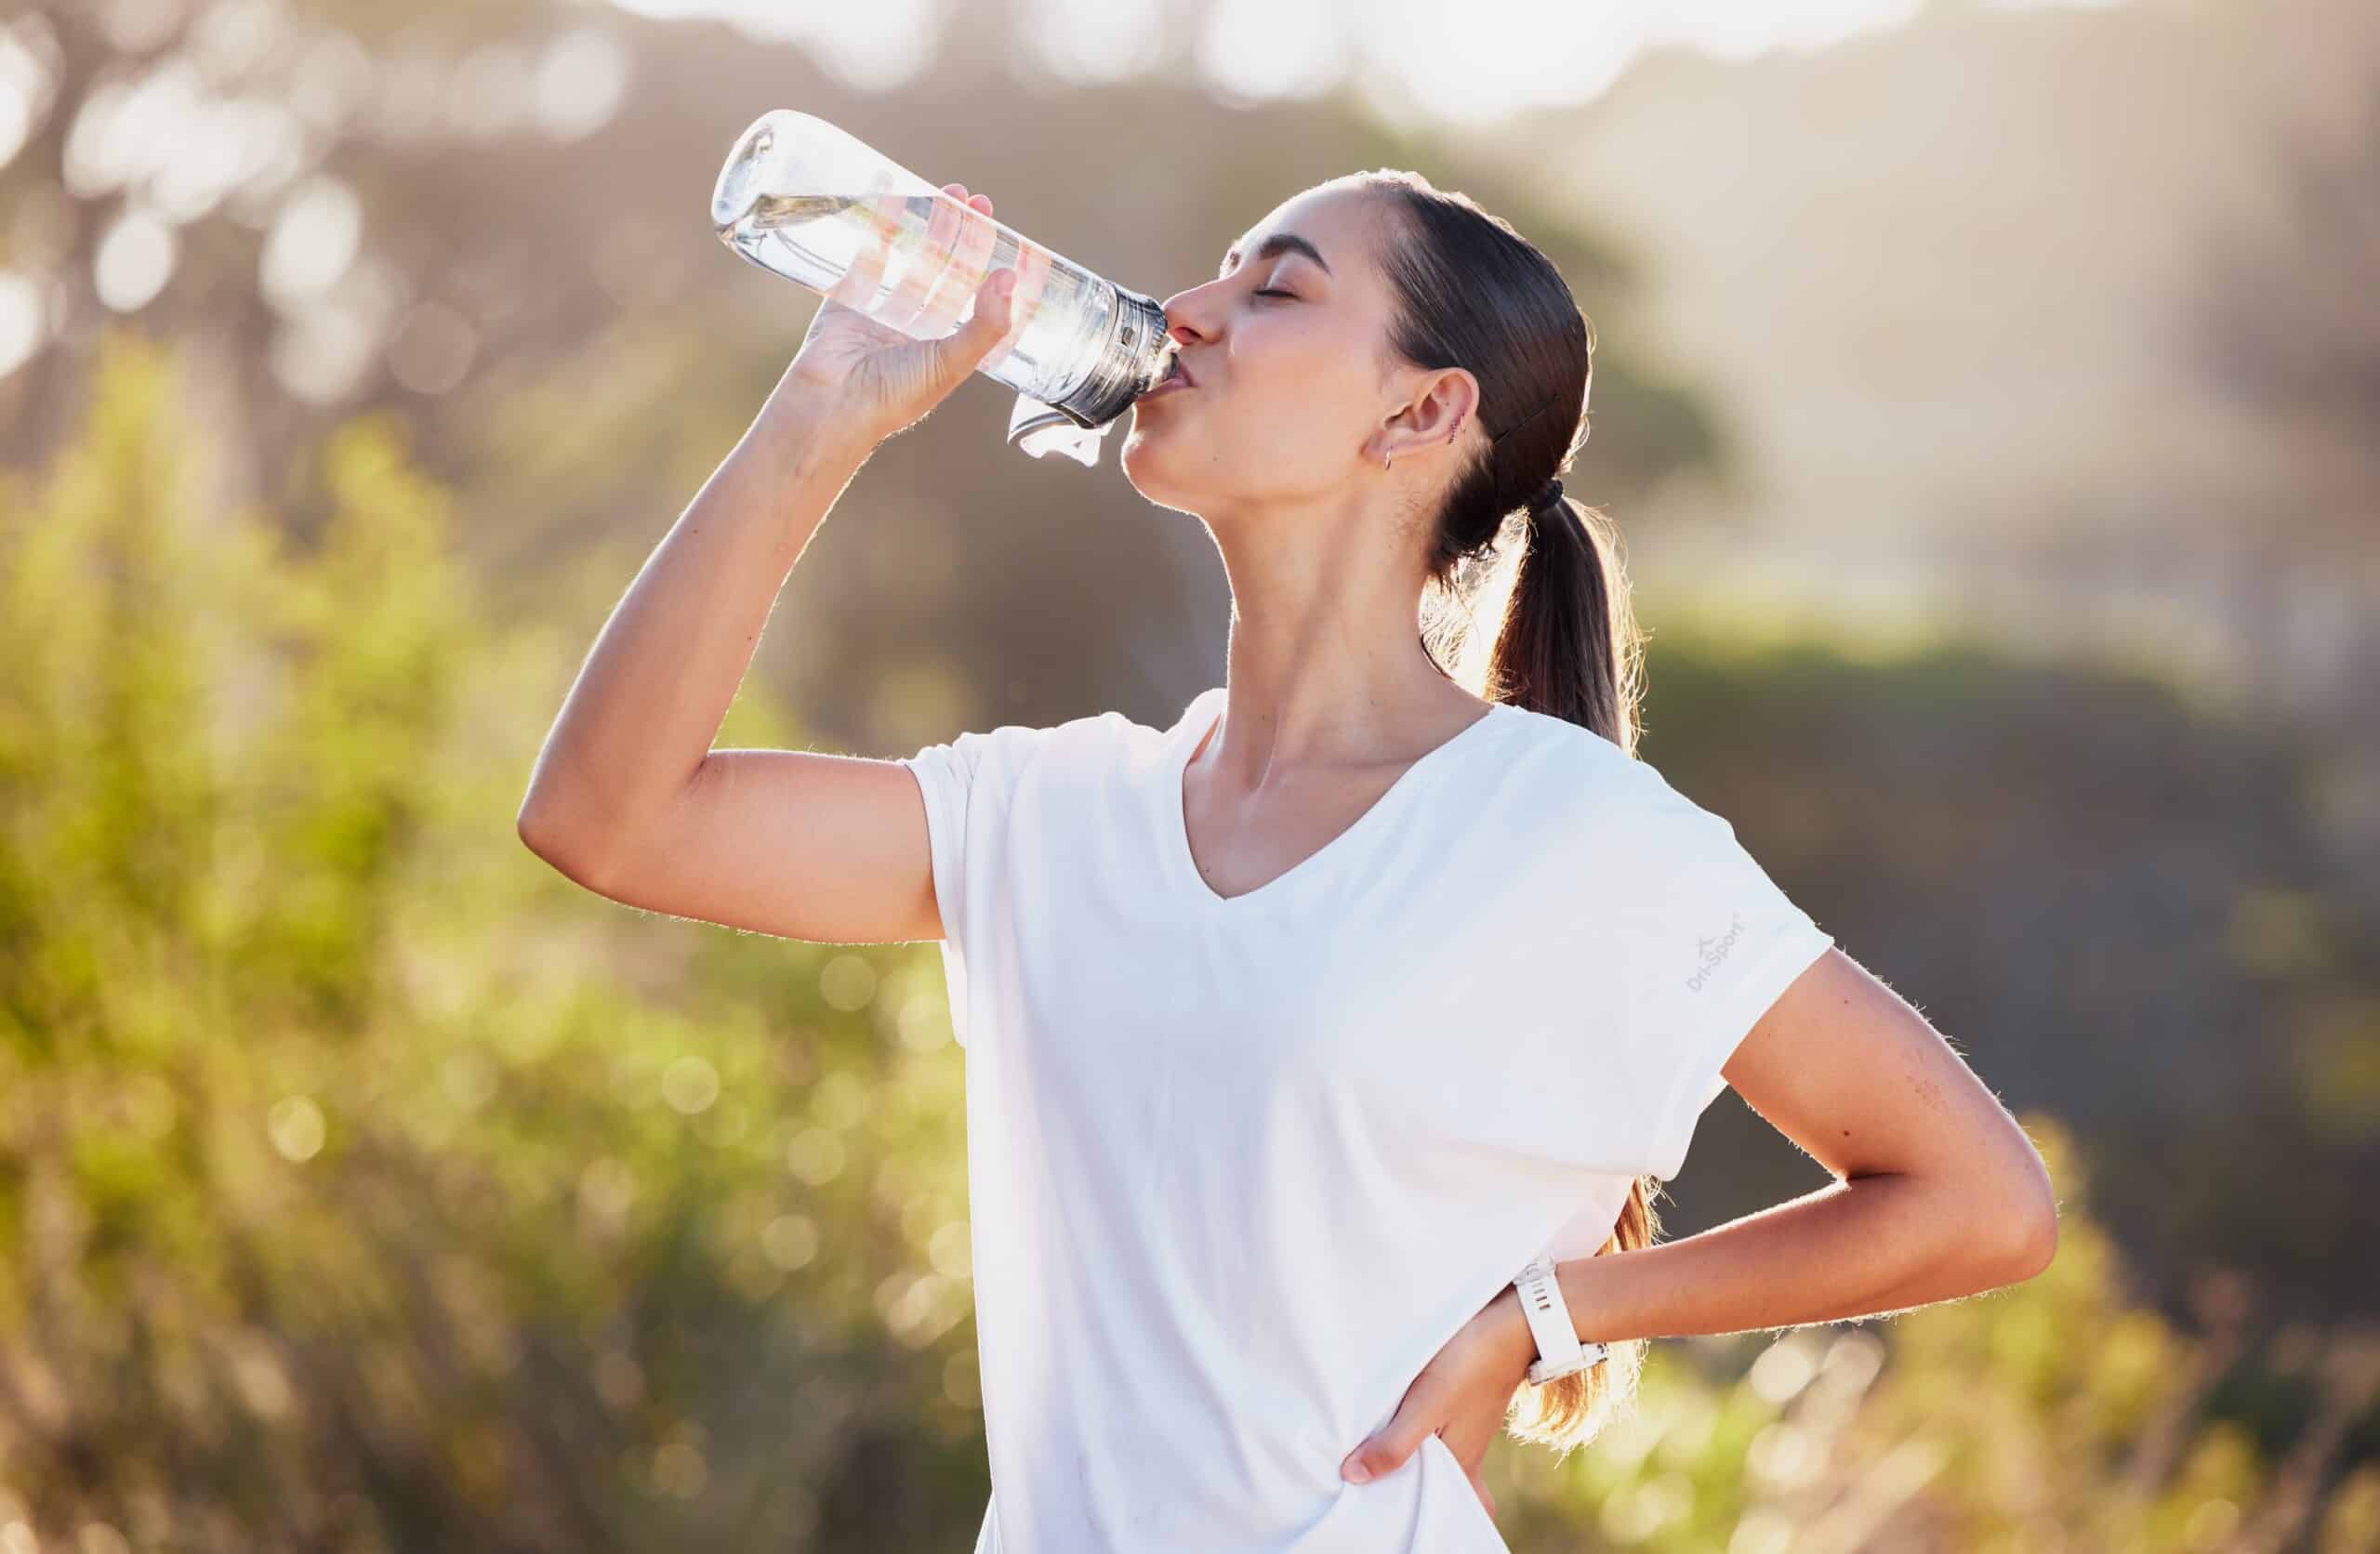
(1841, 1065)
(798, 844)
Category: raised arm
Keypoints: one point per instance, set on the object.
(627, 797)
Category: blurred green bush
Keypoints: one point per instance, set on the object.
(371, 1186)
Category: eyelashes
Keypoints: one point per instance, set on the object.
(1270, 292)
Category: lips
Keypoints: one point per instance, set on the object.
(1179, 379)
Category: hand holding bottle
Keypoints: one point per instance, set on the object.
(872, 370)
(804, 199)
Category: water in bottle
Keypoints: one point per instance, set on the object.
(801, 198)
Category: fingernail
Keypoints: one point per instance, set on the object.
(1357, 1473)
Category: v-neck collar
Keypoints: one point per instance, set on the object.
(1205, 712)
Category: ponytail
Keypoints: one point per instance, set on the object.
(1570, 646)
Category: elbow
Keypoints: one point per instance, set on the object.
(2027, 1213)
(545, 837)
(2034, 1247)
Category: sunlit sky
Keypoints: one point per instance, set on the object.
(1462, 62)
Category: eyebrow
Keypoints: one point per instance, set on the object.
(1274, 247)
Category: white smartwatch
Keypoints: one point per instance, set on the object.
(1559, 1352)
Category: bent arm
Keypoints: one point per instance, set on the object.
(1938, 1194)
(629, 799)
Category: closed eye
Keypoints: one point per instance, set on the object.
(1270, 292)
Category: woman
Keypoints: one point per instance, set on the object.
(1296, 1029)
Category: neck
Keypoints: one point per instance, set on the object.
(1326, 662)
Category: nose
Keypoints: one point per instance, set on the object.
(1178, 325)
(1182, 316)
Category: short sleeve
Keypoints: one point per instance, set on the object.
(967, 783)
(1708, 942)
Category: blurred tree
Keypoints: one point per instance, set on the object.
(177, 131)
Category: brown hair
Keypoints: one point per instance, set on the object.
(1472, 293)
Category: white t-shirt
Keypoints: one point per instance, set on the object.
(1239, 1166)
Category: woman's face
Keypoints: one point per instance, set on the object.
(1288, 352)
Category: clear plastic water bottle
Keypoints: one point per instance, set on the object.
(804, 200)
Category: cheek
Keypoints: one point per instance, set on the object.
(1291, 347)
(1300, 416)
(1292, 419)
(1295, 373)
(1287, 440)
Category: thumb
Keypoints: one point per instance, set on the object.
(1381, 1452)
(957, 354)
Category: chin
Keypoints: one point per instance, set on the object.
(1143, 470)
(1160, 439)
(1137, 455)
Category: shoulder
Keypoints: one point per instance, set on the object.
(1566, 757)
(1583, 785)
(1009, 751)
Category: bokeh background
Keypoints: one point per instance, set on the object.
(1988, 396)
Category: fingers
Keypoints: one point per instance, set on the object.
(855, 288)
(906, 308)
(1384, 1451)
(1032, 276)
(958, 354)
(965, 286)
(934, 284)
(963, 279)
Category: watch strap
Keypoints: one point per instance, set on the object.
(1559, 1350)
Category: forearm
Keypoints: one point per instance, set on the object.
(1861, 1247)
(649, 700)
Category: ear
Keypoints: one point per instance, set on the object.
(1439, 406)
